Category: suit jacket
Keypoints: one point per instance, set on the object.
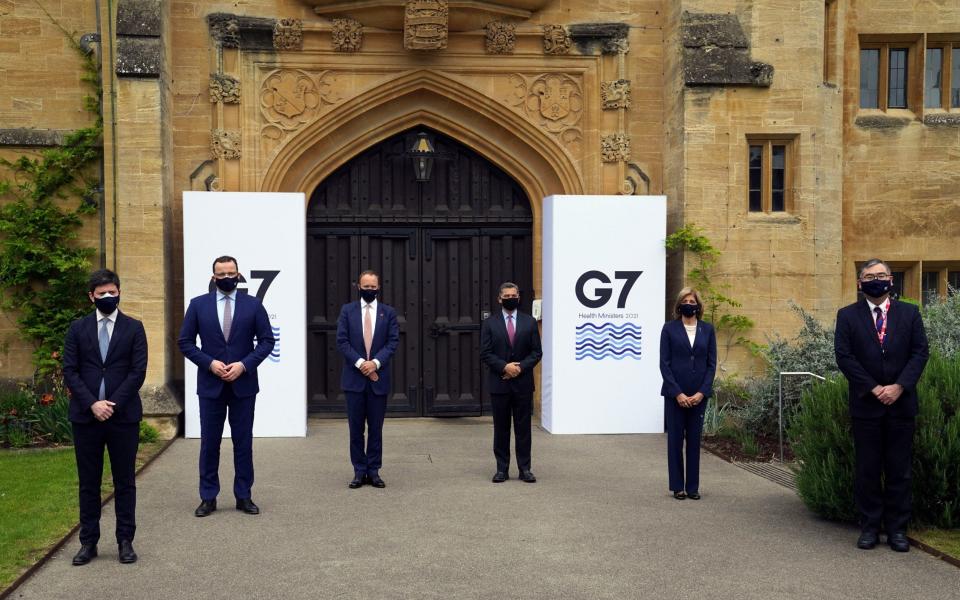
(866, 364)
(123, 371)
(386, 338)
(250, 322)
(687, 369)
(496, 352)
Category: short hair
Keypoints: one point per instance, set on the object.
(102, 277)
(872, 263)
(506, 285)
(687, 291)
(368, 272)
(224, 259)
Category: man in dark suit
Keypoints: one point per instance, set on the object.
(367, 336)
(881, 348)
(104, 364)
(227, 322)
(510, 347)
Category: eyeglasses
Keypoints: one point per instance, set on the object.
(878, 277)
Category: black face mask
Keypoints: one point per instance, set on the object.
(510, 304)
(227, 284)
(689, 310)
(107, 304)
(368, 295)
(876, 288)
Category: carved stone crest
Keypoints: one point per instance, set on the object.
(425, 24)
(615, 94)
(615, 147)
(225, 143)
(556, 39)
(616, 45)
(289, 98)
(224, 88)
(288, 34)
(347, 35)
(554, 101)
(501, 37)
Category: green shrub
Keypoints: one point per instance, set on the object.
(148, 433)
(823, 444)
(942, 321)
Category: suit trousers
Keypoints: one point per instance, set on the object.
(884, 450)
(684, 425)
(121, 441)
(517, 406)
(213, 413)
(366, 410)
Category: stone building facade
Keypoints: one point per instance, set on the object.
(802, 136)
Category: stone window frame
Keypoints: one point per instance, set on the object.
(831, 25)
(791, 143)
(947, 276)
(949, 45)
(915, 71)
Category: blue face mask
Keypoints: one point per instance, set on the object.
(107, 304)
(689, 310)
(876, 288)
(368, 295)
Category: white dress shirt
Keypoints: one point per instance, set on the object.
(373, 326)
(111, 321)
(221, 303)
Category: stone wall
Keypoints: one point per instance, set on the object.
(902, 169)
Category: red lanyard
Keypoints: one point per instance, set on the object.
(882, 334)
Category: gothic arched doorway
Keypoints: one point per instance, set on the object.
(441, 247)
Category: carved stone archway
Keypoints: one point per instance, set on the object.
(533, 159)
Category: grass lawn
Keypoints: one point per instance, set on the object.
(945, 540)
(38, 503)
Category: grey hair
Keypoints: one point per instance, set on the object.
(872, 263)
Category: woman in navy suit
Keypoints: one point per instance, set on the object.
(688, 364)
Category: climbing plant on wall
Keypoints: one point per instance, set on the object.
(44, 201)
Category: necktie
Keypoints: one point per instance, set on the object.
(367, 330)
(227, 317)
(510, 330)
(104, 344)
(879, 314)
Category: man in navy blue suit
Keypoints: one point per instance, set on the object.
(228, 323)
(367, 337)
(881, 348)
(104, 364)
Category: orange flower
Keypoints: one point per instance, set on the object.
(46, 399)
(55, 355)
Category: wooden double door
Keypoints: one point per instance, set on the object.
(441, 247)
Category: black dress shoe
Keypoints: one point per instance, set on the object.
(500, 477)
(206, 507)
(247, 506)
(680, 495)
(376, 481)
(527, 477)
(126, 553)
(898, 542)
(694, 495)
(357, 481)
(867, 540)
(86, 553)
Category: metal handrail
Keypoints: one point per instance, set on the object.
(780, 399)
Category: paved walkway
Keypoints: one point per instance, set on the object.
(599, 523)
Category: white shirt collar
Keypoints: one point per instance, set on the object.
(111, 317)
(883, 306)
(506, 313)
(221, 295)
(364, 304)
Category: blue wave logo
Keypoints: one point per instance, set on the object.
(607, 340)
(275, 353)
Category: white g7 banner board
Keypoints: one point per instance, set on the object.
(265, 232)
(604, 278)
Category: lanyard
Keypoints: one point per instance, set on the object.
(882, 334)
